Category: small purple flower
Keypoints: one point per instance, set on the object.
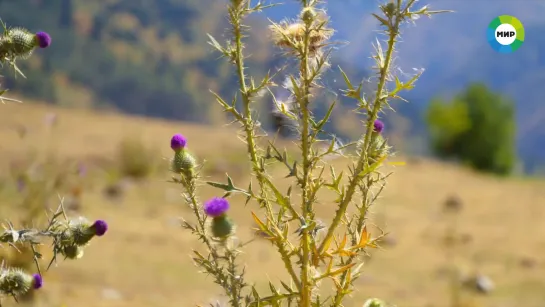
(21, 184)
(82, 170)
(178, 142)
(44, 40)
(50, 119)
(378, 126)
(37, 282)
(216, 206)
(100, 227)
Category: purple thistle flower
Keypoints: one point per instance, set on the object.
(38, 281)
(82, 170)
(50, 119)
(178, 142)
(216, 206)
(378, 126)
(100, 227)
(21, 184)
(44, 40)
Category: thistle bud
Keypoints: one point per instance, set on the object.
(379, 148)
(183, 162)
(19, 42)
(71, 251)
(216, 208)
(16, 282)
(374, 302)
(80, 231)
(389, 9)
(308, 15)
(71, 237)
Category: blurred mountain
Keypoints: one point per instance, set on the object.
(151, 57)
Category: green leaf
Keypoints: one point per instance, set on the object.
(346, 80)
(214, 43)
(320, 125)
(229, 187)
(280, 199)
(373, 167)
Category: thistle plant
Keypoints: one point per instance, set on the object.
(19, 43)
(322, 250)
(68, 236)
(69, 239)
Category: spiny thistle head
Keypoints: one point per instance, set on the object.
(16, 282)
(82, 231)
(178, 142)
(183, 162)
(378, 148)
(19, 42)
(216, 206)
(221, 226)
(72, 236)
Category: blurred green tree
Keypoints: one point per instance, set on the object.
(477, 127)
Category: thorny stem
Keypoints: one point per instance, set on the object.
(306, 283)
(359, 225)
(236, 16)
(234, 291)
(363, 160)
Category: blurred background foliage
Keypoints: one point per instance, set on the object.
(151, 57)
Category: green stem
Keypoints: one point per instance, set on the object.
(190, 186)
(249, 132)
(363, 160)
(359, 226)
(306, 283)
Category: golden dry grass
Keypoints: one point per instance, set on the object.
(144, 258)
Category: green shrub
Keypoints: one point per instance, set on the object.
(135, 159)
(477, 127)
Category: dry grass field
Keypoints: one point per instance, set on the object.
(143, 261)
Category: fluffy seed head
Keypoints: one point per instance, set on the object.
(291, 35)
(216, 206)
(43, 40)
(178, 142)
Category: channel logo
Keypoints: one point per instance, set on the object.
(505, 34)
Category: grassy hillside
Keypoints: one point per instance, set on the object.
(152, 58)
(143, 260)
